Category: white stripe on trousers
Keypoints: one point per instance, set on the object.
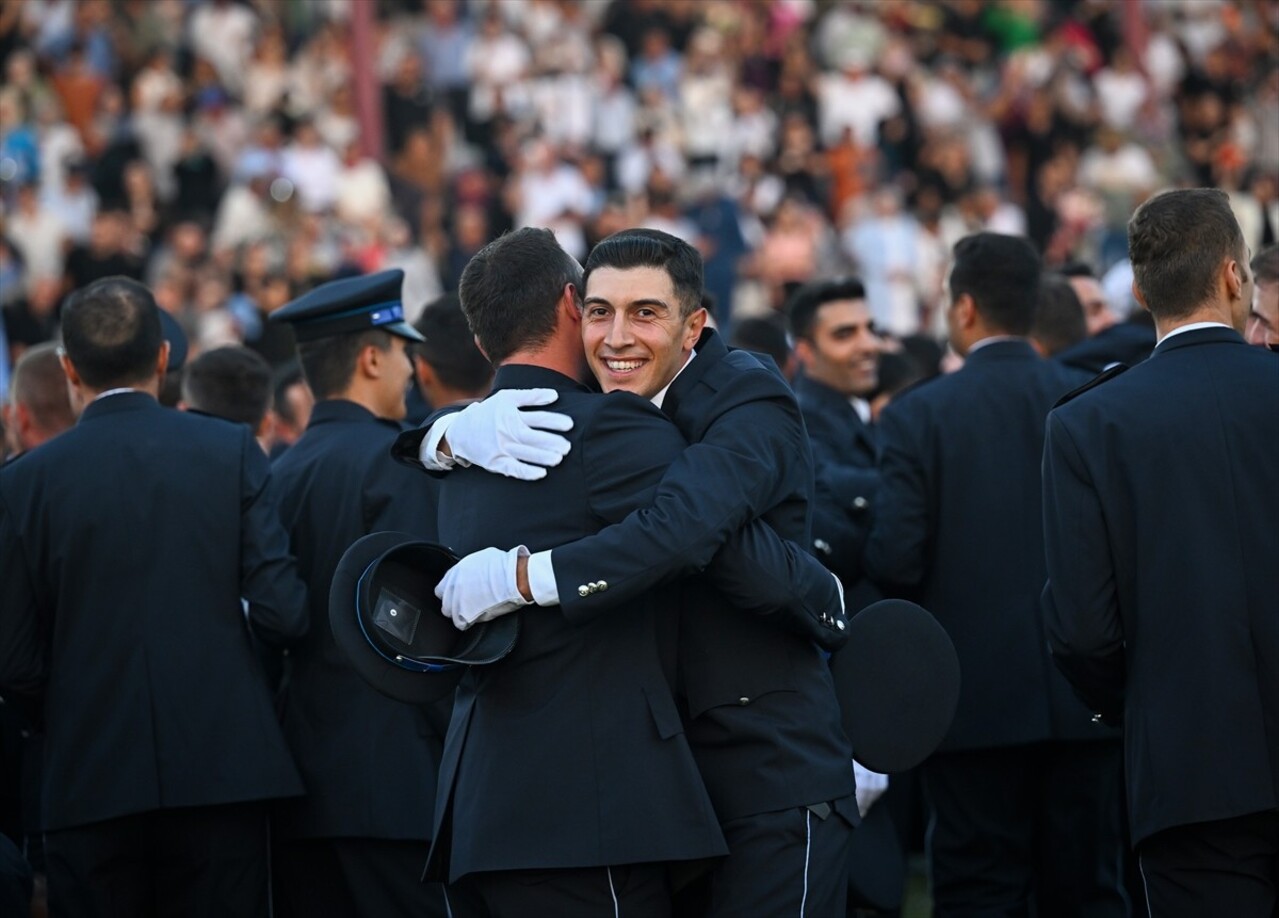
(808, 846)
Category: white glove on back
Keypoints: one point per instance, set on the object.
(481, 586)
(496, 435)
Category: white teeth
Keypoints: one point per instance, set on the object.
(623, 365)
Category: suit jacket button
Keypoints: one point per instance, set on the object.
(603, 585)
(583, 590)
(822, 545)
(840, 625)
(860, 503)
(743, 700)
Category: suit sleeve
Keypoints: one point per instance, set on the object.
(842, 510)
(269, 580)
(1080, 604)
(22, 656)
(896, 550)
(736, 472)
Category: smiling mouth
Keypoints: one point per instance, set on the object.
(622, 366)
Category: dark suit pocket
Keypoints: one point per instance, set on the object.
(665, 717)
(739, 680)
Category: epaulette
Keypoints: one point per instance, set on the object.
(1105, 375)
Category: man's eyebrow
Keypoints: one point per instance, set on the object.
(642, 301)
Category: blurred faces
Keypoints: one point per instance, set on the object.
(843, 350)
(1097, 313)
(635, 337)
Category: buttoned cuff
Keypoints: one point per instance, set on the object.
(541, 579)
(430, 456)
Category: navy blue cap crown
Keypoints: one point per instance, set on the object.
(353, 304)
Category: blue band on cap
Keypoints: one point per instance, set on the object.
(399, 660)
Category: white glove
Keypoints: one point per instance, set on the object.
(870, 786)
(496, 435)
(481, 586)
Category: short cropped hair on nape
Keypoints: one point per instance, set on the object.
(111, 332)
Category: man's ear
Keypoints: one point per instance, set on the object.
(424, 372)
(369, 362)
(965, 310)
(162, 360)
(697, 322)
(1235, 276)
(479, 347)
(69, 369)
(570, 304)
(1139, 296)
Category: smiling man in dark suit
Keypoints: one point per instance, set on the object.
(761, 712)
(1160, 490)
(1025, 788)
(126, 545)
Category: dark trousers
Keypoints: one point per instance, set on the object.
(791, 862)
(189, 862)
(624, 891)
(349, 877)
(1224, 867)
(1026, 830)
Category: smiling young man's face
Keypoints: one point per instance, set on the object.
(636, 337)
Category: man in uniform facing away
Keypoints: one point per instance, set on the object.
(1161, 496)
(1025, 787)
(126, 545)
(356, 844)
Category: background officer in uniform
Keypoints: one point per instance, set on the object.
(126, 545)
(1160, 490)
(233, 383)
(762, 717)
(356, 844)
(1025, 788)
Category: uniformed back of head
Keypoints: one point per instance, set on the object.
(649, 248)
(450, 348)
(229, 382)
(1059, 315)
(111, 333)
(1001, 274)
(511, 288)
(1177, 242)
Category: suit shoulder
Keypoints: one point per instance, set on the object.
(1103, 377)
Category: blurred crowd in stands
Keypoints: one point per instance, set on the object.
(214, 148)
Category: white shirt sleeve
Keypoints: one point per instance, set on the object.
(429, 454)
(541, 579)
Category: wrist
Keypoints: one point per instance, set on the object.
(521, 578)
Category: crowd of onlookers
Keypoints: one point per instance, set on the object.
(213, 148)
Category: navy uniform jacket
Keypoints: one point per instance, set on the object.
(763, 718)
(126, 545)
(847, 477)
(569, 752)
(1161, 502)
(1127, 342)
(354, 746)
(959, 529)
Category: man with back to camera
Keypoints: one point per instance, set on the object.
(232, 383)
(1025, 787)
(356, 843)
(126, 545)
(1160, 492)
(761, 713)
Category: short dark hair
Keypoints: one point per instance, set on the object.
(1177, 241)
(450, 347)
(650, 248)
(111, 332)
(229, 382)
(802, 307)
(329, 363)
(511, 287)
(764, 335)
(39, 385)
(1265, 265)
(1059, 316)
(286, 377)
(1001, 274)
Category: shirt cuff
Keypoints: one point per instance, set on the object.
(541, 579)
(430, 456)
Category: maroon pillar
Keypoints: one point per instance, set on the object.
(368, 92)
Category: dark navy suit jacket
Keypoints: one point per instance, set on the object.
(569, 752)
(336, 484)
(959, 530)
(847, 477)
(126, 545)
(762, 714)
(1161, 503)
(1128, 343)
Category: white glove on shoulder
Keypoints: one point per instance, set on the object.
(481, 587)
(496, 435)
